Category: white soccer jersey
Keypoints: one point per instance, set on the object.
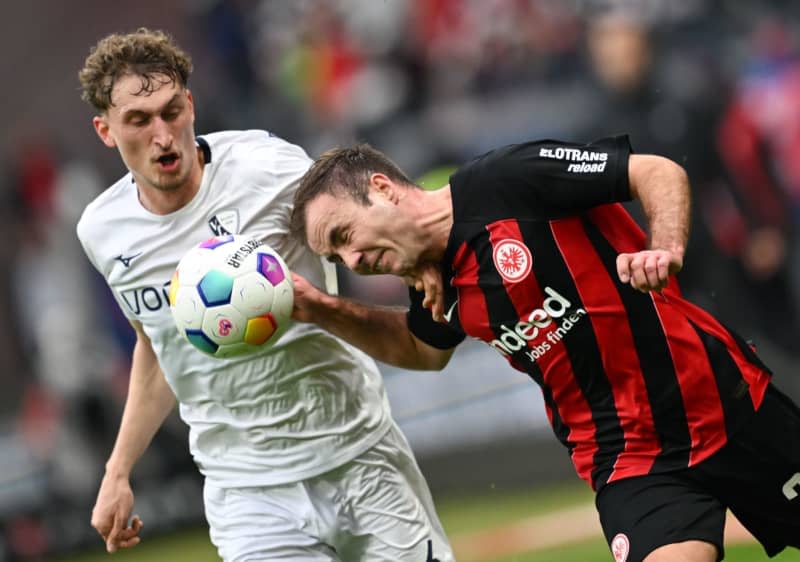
(304, 406)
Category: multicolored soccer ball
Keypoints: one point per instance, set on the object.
(231, 295)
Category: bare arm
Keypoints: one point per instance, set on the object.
(379, 331)
(662, 188)
(149, 402)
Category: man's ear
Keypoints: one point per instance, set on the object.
(382, 186)
(190, 100)
(102, 129)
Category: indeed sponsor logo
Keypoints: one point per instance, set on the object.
(526, 333)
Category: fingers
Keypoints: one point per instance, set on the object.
(307, 300)
(624, 267)
(125, 538)
(646, 273)
(647, 270)
(111, 539)
(100, 525)
(663, 270)
(428, 280)
(111, 513)
(136, 524)
(130, 537)
(299, 284)
(129, 543)
(431, 280)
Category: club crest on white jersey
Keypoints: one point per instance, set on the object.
(225, 222)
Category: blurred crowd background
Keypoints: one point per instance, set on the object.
(712, 84)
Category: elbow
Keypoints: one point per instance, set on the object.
(670, 169)
(421, 362)
(649, 171)
(681, 175)
(425, 364)
(432, 359)
(439, 363)
(421, 356)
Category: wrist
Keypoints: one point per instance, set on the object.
(674, 247)
(323, 309)
(117, 471)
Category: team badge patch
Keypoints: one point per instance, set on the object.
(512, 259)
(225, 222)
(620, 547)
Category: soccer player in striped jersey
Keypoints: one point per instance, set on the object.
(668, 414)
(301, 457)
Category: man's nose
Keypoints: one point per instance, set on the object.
(162, 135)
(353, 260)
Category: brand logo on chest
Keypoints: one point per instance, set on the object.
(126, 260)
(224, 222)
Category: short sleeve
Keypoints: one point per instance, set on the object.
(423, 326)
(547, 179)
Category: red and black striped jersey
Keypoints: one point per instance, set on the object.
(633, 383)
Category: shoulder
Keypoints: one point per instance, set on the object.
(545, 158)
(502, 161)
(542, 179)
(107, 207)
(101, 220)
(500, 169)
(254, 162)
(546, 151)
(254, 148)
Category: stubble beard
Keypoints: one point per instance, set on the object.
(168, 183)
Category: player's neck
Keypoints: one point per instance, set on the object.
(436, 219)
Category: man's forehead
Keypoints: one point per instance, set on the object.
(129, 93)
(323, 216)
(317, 224)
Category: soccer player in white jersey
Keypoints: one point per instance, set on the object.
(301, 457)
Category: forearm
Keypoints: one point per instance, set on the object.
(662, 187)
(379, 331)
(149, 402)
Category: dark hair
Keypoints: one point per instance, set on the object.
(342, 172)
(152, 55)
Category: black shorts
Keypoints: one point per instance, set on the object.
(756, 475)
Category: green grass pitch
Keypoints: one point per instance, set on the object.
(460, 516)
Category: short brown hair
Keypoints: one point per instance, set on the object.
(342, 171)
(152, 55)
